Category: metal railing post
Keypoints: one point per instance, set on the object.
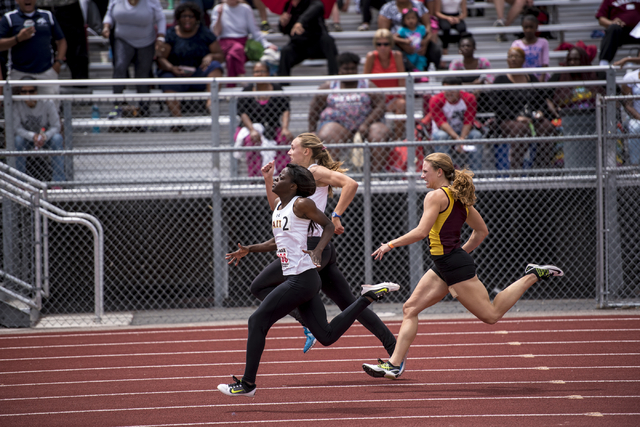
(368, 224)
(8, 213)
(220, 272)
(600, 284)
(416, 269)
(68, 138)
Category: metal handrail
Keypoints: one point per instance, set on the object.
(23, 193)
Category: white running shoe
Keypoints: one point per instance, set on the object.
(378, 291)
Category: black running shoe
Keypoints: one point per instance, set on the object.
(239, 388)
(543, 271)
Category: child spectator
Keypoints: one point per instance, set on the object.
(450, 14)
(467, 49)
(416, 33)
(536, 49)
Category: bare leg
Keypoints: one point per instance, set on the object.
(474, 297)
(514, 10)
(262, 10)
(499, 4)
(428, 292)
(174, 105)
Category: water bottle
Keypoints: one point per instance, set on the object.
(95, 115)
(432, 67)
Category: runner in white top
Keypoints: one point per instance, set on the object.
(290, 222)
(308, 151)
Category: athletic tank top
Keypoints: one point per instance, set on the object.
(377, 69)
(320, 199)
(445, 233)
(290, 233)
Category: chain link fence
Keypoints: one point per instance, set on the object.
(175, 192)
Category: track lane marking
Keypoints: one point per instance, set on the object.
(300, 337)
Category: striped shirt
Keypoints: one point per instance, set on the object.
(445, 233)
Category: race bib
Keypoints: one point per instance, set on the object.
(284, 259)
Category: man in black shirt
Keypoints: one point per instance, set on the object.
(303, 20)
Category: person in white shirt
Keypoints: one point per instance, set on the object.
(631, 86)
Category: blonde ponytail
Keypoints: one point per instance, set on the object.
(320, 154)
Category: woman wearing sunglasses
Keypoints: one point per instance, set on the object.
(383, 59)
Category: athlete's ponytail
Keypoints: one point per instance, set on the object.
(461, 187)
(320, 154)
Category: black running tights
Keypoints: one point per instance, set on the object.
(296, 291)
(334, 285)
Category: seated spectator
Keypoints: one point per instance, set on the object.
(576, 106)
(338, 6)
(365, 10)
(618, 18)
(514, 11)
(337, 117)
(631, 86)
(136, 40)
(450, 14)
(416, 33)
(303, 21)
(467, 48)
(232, 22)
(386, 60)
(37, 126)
(536, 49)
(520, 113)
(28, 34)
(390, 17)
(190, 50)
(265, 122)
(259, 5)
(453, 112)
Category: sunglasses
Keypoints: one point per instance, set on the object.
(29, 92)
(383, 44)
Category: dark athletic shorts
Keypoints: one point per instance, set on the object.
(454, 267)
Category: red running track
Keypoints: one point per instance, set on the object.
(570, 371)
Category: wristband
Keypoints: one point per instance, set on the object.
(335, 215)
(390, 245)
(160, 39)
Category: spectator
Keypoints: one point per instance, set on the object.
(519, 113)
(30, 45)
(450, 14)
(303, 21)
(5, 6)
(338, 6)
(618, 18)
(467, 49)
(232, 22)
(262, 12)
(390, 17)
(265, 122)
(453, 112)
(536, 49)
(37, 125)
(416, 33)
(136, 40)
(68, 13)
(514, 11)
(383, 59)
(631, 86)
(365, 10)
(337, 117)
(190, 50)
(576, 105)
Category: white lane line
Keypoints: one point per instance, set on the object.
(298, 337)
(202, 377)
(299, 421)
(227, 351)
(342, 373)
(216, 329)
(288, 362)
(273, 404)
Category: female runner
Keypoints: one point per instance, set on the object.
(308, 151)
(445, 211)
(293, 216)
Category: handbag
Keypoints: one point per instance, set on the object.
(253, 50)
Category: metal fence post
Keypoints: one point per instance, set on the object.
(600, 285)
(220, 273)
(7, 208)
(233, 111)
(68, 138)
(368, 227)
(613, 250)
(416, 269)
